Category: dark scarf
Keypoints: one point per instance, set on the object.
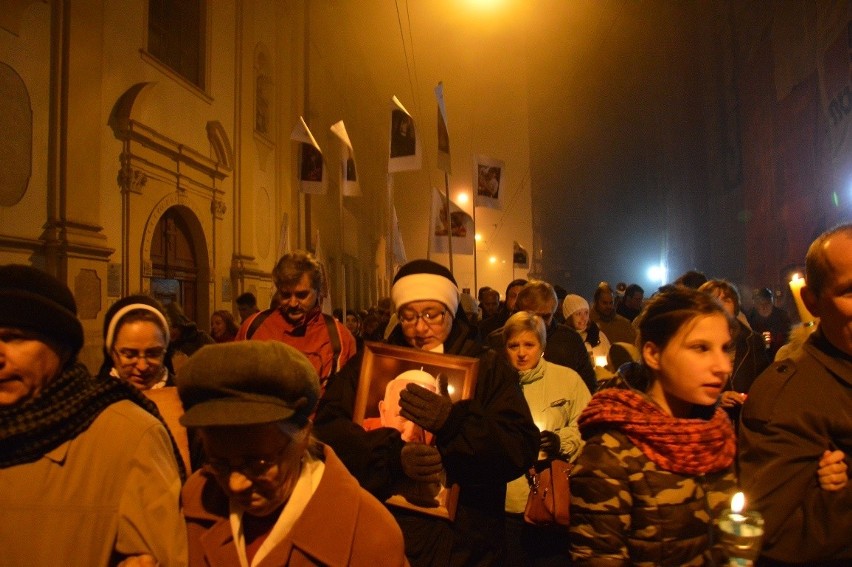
(62, 411)
(679, 445)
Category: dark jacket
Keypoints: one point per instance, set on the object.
(750, 360)
(796, 409)
(486, 441)
(564, 347)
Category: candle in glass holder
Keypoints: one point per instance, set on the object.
(542, 455)
(741, 533)
(796, 285)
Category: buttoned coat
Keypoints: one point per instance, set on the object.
(341, 525)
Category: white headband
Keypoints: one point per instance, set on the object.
(110, 335)
(424, 287)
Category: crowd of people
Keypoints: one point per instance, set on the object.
(253, 445)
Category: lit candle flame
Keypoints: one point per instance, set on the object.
(600, 361)
(738, 503)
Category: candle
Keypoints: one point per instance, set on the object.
(796, 285)
(741, 532)
(600, 361)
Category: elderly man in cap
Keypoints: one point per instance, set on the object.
(480, 443)
(270, 494)
(88, 473)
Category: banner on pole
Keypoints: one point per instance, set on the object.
(488, 173)
(312, 177)
(404, 150)
(348, 175)
(461, 227)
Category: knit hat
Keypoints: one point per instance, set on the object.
(425, 280)
(36, 301)
(247, 383)
(572, 304)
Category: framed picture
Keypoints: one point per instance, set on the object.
(385, 371)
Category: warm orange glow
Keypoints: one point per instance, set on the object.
(486, 4)
(493, 259)
(463, 198)
(477, 237)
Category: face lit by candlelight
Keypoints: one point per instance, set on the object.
(833, 302)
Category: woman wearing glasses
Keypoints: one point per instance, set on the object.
(136, 339)
(480, 443)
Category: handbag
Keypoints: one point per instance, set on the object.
(550, 496)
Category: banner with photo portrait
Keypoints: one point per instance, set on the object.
(520, 256)
(404, 149)
(312, 175)
(488, 176)
(461, 227)
(348, 175)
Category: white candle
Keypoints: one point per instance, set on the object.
(600, 361)
(796, 285)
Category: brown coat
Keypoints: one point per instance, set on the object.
(341, 525)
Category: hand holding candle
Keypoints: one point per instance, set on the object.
(741, 532)
(796, 285)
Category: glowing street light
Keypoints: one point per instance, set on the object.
(657, 274)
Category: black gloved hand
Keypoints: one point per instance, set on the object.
(421, 462)
(550, 444)
(427, 409)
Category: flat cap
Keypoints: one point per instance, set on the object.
(247, 383)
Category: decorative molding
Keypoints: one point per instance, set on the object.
(218, 208)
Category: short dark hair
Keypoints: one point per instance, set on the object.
(692, 278)
(247, 299)
(724, 288)
(535, 292)
(292, 266)
(633, 288)
(515, 283)
(602, 287)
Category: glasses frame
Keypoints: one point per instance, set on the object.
(431, 319)
(149, 358)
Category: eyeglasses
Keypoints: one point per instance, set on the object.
(132, 355)
(431, 318)
(252, 469)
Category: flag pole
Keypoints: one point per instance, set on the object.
(475, 285)
(449, 220)
(341, 278)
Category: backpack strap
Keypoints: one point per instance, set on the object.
(331, 323)
(257, 322)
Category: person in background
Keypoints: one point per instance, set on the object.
(564, 345)
(616, 327)
(493, 323)
(88, 474)
(750, 358)
(299, 321)
(556, 395)
(136, 339)
(797, 423)
(247, 305)
(768, 320)
(631, 304)
(223, 328)
(489, 302)
(481, 443)
(576, 312)
(186, 337)
(269, 493)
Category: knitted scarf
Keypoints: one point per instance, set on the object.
(533, 374)
(679, 445)
(63, 410)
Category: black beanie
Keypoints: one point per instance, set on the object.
(35, 301)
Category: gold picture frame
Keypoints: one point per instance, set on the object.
(382, 363)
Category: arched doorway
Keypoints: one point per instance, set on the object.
(175, 264)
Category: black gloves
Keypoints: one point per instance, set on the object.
(427, 409)
(420, 462)
(550, 444)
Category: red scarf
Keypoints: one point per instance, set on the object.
(683, 446)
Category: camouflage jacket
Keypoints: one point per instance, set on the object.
(625, 510)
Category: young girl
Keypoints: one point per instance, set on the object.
(658, 463)
(657, 468)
